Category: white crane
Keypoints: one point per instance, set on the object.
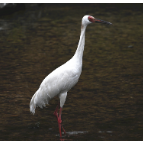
(62, 79)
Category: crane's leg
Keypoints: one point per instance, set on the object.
(56, 111)
(59, 119)
(60, 122)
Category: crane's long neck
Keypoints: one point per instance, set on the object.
(79, 52)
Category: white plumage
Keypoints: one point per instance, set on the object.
(62, 79)
(57, 83)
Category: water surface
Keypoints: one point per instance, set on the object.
(107, 102)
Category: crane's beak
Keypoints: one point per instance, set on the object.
(102, 21)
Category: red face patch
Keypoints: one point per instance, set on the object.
(91, 19)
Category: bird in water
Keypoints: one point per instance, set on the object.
(62, 79)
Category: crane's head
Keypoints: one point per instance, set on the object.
(87, 19)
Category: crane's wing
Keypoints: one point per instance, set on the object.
(61, 80)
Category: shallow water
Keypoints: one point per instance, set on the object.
(106, 104)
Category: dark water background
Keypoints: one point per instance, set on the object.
(107, 102)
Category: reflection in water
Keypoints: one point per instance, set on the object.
(69, 134)
(76, 132)
(106, 104)
(103, 132)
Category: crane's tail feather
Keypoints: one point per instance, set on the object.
(32, 107)
(40, 98)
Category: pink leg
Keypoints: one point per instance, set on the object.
(59, 119)
(60, 122)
